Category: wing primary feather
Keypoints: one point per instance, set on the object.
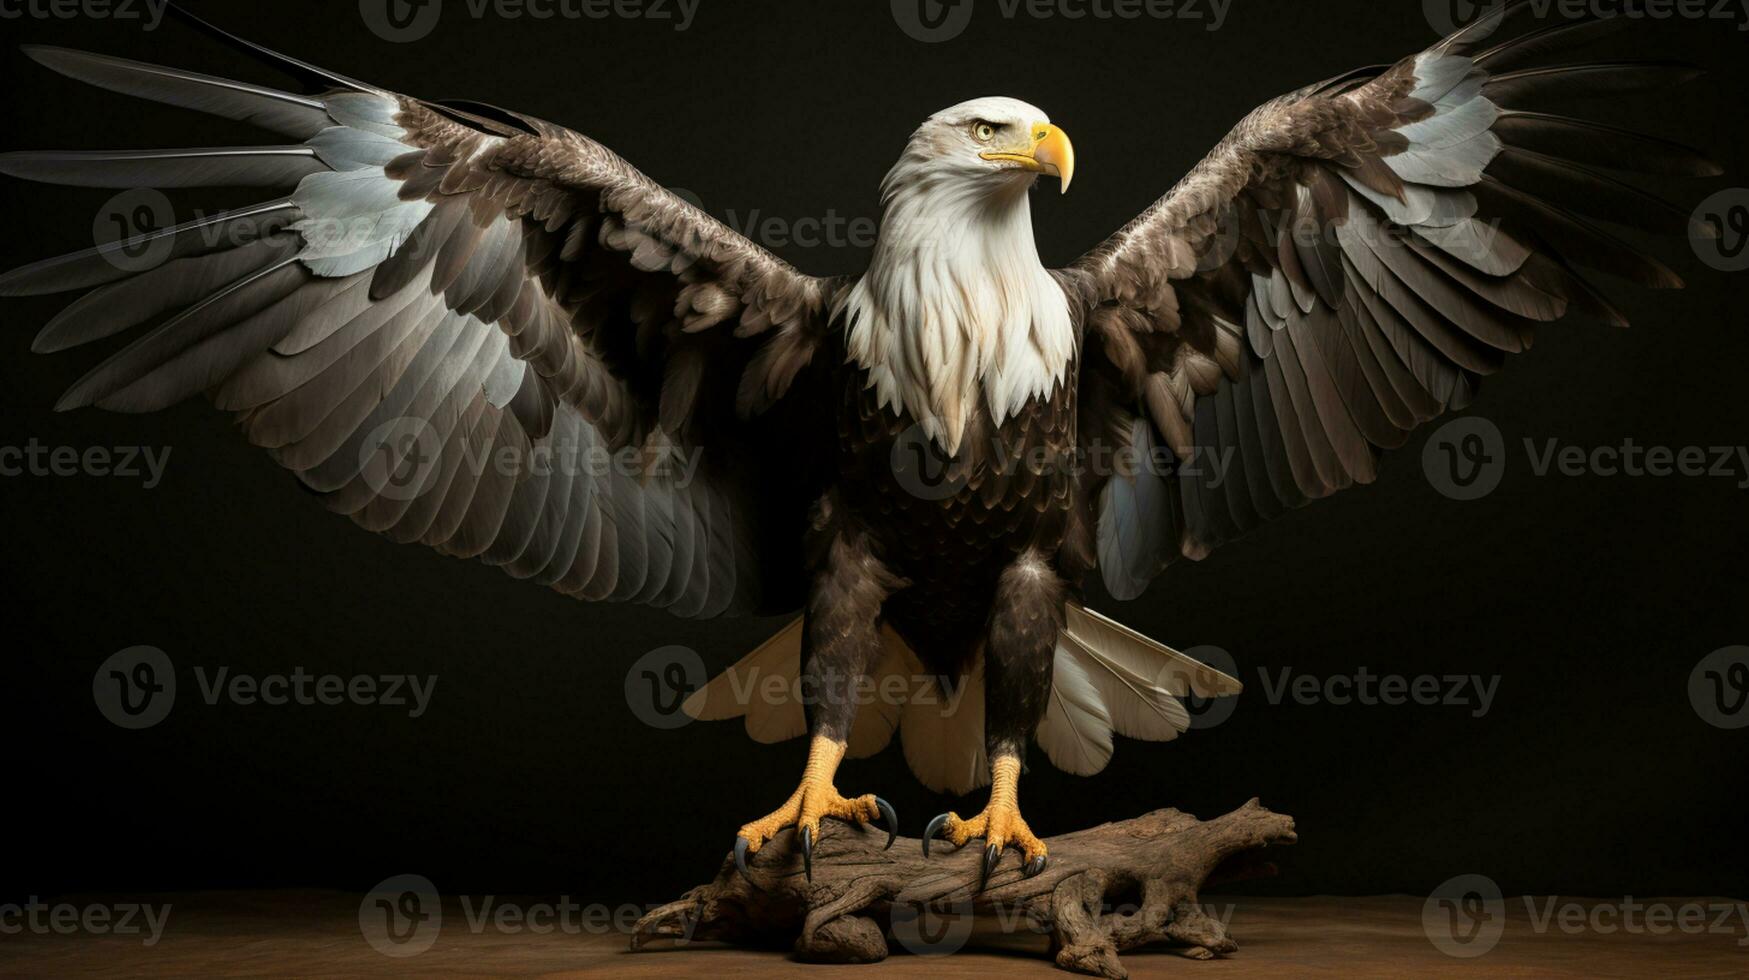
(301, 70)
(110, 261)
(234, 166)
(1512, 89)
(1563, 37)
(297, 116)
(1601, 145)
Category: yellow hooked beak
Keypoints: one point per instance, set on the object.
(1049, 152)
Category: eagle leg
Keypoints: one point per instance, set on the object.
(1025, 620)
(999, 826)
(841, 643)
(815, 798)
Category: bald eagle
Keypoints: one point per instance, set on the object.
(483, 332)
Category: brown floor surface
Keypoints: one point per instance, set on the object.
(311, 934)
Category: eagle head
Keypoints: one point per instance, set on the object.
(956, 310)
(994, 142)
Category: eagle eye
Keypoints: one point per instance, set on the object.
(983, 132)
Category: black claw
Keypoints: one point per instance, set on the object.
(992, 857)
(892, 820)
(1035, 867)
(808, 852)
(930, 831)
(741, 845)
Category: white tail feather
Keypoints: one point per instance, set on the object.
(747, 690)
(877, 716)
(1076, 730)
(762, 687)
(1170, 671)
(1106, 678)
(1138, 708)
(1135, 681)
(943, 735)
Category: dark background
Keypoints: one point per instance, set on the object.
(1592, 599)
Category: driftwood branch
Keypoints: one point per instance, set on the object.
(1107, 889)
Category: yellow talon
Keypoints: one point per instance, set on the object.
(1000, 825)
(815, 798)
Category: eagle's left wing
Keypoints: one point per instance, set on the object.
(1344, 266)
(464, 328)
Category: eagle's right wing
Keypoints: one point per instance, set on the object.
(464, 328)
(1344, 266)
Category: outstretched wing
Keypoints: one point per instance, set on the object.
(462, 327)
(1344, 266)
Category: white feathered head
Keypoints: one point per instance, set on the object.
(955, 299)
(987, 145)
